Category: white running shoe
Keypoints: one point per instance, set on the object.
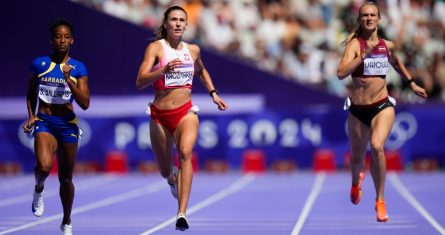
(38, 207)
(181, 222)
(174, 187)
(67, 229)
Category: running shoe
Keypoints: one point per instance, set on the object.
(380, 209)
(356, 191)
(181, 222)
(67, 229)
(38, 207)
(174, 187)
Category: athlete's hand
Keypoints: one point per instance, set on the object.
(29, 125)
(418, 90)
(220, 102)
(66, 69)
(172, 65)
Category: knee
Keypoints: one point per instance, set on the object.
(377, 148)
(357, 155)
(356, 159)
(185, 154)
(44, 167)
(165, 173)
(66, 180)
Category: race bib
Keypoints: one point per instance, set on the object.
(55, 95)
(182, 76)
(378, 65)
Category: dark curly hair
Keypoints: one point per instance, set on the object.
(60, 22)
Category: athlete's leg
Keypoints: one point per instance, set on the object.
(66, 157)
(358, 134)
(45, 146)
(162, 145)
(185, 138)
(380, 128)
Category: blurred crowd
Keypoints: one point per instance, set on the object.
(302, 39)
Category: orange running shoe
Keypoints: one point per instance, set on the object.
(380, 209)
(356, 191)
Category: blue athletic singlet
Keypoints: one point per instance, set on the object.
(52, 87)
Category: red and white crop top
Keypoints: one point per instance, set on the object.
(376, 63)
(182, 76)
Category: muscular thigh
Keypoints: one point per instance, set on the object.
(161, 139)
(66, 156)
(187, 131)
(382, 124)
(45, 145)
(358, 134)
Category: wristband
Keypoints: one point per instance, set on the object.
(213, 91)
(410, 81)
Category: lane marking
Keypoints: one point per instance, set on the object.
(16, 182)
(94, 205)
(80, 186)
(316, 188)
(403, 191)
(238, 185)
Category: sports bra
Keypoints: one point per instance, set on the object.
(182, 76)
(376, 63)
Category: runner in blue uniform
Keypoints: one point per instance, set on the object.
(56, 81)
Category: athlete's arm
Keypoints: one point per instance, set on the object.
(79, 90)
(350, 60)
(398, 65)
(153, 53)
(205, 78)
(31, 103)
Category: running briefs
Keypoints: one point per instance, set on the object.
(365, 113)
(63, 128)
(170, 118)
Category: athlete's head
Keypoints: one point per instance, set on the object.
(61, 35)
(173, 22)
(368, 19)
(368, 16)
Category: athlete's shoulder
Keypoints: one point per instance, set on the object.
(41, 59)
(155, 44)
(79, 68)
(353, 44)
(154, 47)
(390, 44)
(194, 48)
(40, 64)
(73, 61)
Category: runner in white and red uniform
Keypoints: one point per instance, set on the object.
(181, 77)
(170, 65)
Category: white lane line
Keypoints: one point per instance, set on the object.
(85, 184)
(94, 205)
(403, 191)
(316, 188)
(238, 185)
(15, 182)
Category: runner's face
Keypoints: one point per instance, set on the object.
(369, 17)
(176, 23)
(62, 39)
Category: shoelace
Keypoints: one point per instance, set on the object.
(39, 201)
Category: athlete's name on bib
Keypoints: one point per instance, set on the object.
(179, 75)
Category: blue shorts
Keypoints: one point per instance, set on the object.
(63, 128)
